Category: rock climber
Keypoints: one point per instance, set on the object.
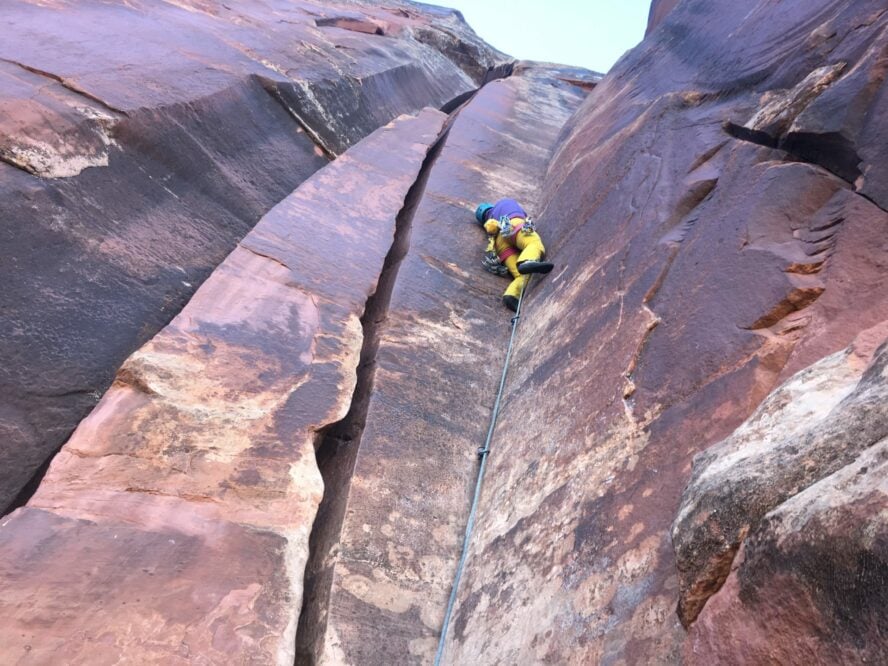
(513, 246)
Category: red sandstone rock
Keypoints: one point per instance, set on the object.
(173, 526)
(798, 436)
(805, 478)
(697, 269)
(716, 214)
(140, 140)
(382, 570)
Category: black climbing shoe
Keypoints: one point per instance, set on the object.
(528, 267)
(511, 302)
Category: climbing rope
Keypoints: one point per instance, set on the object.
(482, 454)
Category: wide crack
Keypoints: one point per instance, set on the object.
(337, 445)
(502, 71)
(829, 151)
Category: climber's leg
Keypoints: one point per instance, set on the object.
(513, 292)
(532, 252)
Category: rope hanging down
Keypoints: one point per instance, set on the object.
(482, 454)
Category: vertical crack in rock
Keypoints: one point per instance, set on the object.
(190, 480)
(203, 152)
(503, 71)
(337, 445)
(28, 490)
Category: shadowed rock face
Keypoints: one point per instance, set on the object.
(802, 490)
(659, 10)
(173, 526)
(697, 269)
(140, 140)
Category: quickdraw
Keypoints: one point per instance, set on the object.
(507, 230)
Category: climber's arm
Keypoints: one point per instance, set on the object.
(491, 261)
(492, 228)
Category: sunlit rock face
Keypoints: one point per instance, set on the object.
(139, 141)
(173, 526)
(718, 222)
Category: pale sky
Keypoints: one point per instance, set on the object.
(585, 33)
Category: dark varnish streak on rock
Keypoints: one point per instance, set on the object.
(143, 140)
(696, 273)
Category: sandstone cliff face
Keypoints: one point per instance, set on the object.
(802, 489)
(139, 141)
(205, 441)
(386, 550)
(181, 508)
(689, 466)
(702, 260)
(659, 10)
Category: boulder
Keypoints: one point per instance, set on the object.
(820, 421)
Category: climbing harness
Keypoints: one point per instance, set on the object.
(508, 251)
(483, 452)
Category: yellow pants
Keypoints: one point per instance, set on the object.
(531, 249)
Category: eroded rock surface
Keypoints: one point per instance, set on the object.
(140, 140)
(801, 490)
(658, 11)
(698, 268)
(388, 545)
(173, 526)
(716, 211)
(819, 422)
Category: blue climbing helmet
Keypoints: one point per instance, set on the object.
(481, 210)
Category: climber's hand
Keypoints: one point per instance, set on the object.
(491, 264)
